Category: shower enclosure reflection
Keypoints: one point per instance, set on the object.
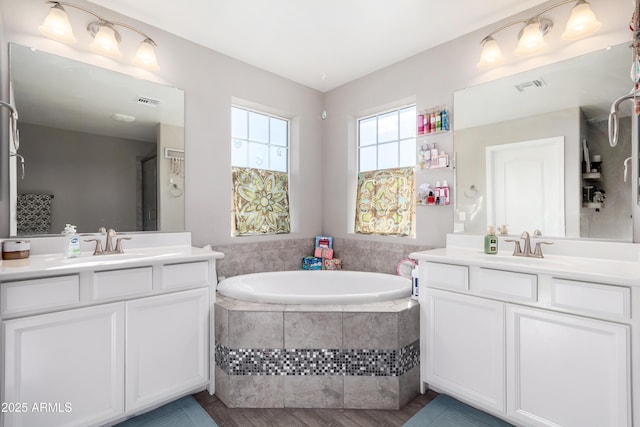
(95, 143)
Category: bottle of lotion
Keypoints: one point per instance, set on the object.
(72, 242)
(444, 193)
(491, 241)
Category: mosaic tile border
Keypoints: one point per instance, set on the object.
(278, 361)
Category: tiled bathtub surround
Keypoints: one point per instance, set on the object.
(319, 361)
(338, 356)
(258, 257)
(280, 255)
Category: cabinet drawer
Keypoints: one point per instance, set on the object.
(119, 283)
(42, 293)
(448, 276)
(520, 286)
(591, 298)
(183, 275)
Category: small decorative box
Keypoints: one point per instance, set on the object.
(16, 249)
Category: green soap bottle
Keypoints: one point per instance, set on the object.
(491, 241)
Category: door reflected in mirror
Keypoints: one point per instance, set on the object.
(95, 147)
(570, 101)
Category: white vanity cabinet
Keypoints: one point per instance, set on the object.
(167, 339)
(567, 370)
(71, 362)
(119, 340)
(465, 346)
(534, 347)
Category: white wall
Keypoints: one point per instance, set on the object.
(322, 202)
(210, 80)
(430, 78)
(170, 201)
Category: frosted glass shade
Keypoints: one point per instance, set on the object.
(56, 25)
(491, 55)
(582, 22)
(531, 41)
(105, 42)
(146, 56)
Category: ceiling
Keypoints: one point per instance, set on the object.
(320, 44)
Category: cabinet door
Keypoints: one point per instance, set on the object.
(167, 346)
(567, 370)
(65, 368)
(465, 347)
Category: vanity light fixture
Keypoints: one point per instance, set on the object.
(582, 23)
(106, 39)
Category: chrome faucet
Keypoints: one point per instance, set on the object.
(526, 252)
(527, 243)
(108, 246)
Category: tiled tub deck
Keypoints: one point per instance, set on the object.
(363, 356)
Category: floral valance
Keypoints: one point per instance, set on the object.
(385, 202)
(260, 201)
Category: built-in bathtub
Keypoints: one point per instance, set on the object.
(321, 339)
(316, 287)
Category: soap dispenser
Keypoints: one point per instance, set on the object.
(491, 241)
(72, 242)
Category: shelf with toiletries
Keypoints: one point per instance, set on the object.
(432, 121)
(431, 157)
(433, 196)
(593, 194)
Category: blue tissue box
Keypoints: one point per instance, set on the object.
(311, 263)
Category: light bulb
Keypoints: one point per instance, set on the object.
(491, 55)
(532, 40)
(582, 22)
(56, 25)
(105, 42)
(146, 56)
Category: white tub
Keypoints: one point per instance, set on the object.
(315, 287)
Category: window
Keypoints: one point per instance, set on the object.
(259, 140)
(259, 159)
(385, 201)
(387, 140)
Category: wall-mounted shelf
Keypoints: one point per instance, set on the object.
(592, 175)
(424, 135)
(593, 205)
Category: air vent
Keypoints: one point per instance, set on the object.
(148, 101)
(530, 84)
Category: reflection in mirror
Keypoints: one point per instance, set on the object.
(528, 184)
(101, 149)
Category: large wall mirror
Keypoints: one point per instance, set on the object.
(100, 148)
(532, 151)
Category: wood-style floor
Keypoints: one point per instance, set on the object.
(296, 417)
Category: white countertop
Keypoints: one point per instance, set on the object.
(609, 271)
(54, 264)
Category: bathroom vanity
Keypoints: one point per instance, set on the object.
(538, 342)
(96, 339)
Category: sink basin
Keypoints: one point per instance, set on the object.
(88, 259)
(550, 261)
